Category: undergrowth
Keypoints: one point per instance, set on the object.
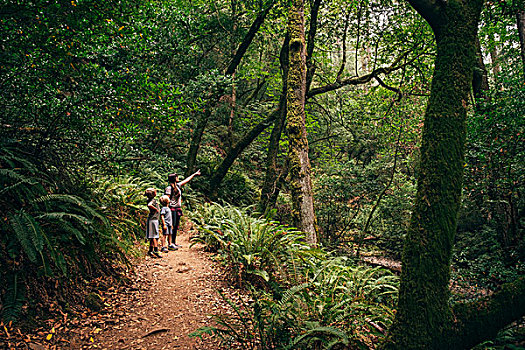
(300, 297)
(56, 237)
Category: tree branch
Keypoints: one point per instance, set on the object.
(362, 79)
(430, 10)
(343, 60)
(310, 67)
(248, 38)
(482, 319)
(234, 152)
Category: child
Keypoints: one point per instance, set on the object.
(167, 224)
(174, 192)
(152, 225)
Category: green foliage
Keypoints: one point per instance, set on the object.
(44, 230)
(340, 306)
(121, 201)
(481, 263)
(349, 191)
(495, 169)
(309, 300)
(255, 250)
(13, 299)
(346, 194)
(100, 100)
(238, 189)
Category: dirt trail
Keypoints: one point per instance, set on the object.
(170, 298)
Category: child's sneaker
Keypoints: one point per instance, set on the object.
(172, 247)
(164, 249)
(156, 254)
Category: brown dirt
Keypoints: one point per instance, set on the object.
(171, 298)
(167, 299)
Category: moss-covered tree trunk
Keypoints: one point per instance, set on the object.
(299, 163)
(423, 313)
(195, 142)
(520, 22)
(269, 190)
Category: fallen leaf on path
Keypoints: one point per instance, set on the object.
(155, 331)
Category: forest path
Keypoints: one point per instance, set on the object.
(169, 298)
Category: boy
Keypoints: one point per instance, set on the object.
(167, 224)
(152, 224)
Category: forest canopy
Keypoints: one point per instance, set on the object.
(346, 119)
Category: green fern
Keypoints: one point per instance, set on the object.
(23, 233)
(323, 334)
(13, 300)
(77, 201)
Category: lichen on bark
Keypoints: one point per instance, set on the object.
(299, 174)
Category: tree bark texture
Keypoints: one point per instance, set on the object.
(195, 142)
(423, 315)
(234, 152)
(520, 21)
(480, 80)
(299, 164)
(269, 190)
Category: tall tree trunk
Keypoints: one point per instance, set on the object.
(310, 66)
(423, 313)
(270, 190)
(195, 142)
(299, 164)
(520, 19)
(480, 81)
(495, 62)
(232, 67)
(233, 102)
(234, 152)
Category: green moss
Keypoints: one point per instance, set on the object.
(423, 312)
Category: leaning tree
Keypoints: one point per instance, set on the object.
(424, 318)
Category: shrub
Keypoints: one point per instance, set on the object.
(46, 231)
(255, 250)
(301, 297)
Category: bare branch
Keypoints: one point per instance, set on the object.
(362, 79)
(343, 61)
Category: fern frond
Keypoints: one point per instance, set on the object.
(67, 227)
(11, 188)
(77, 201)
(14, 175)
(289, 293)
(325, 332)
(11, 158)
(13, 300)
(62, 216)
(23, 233)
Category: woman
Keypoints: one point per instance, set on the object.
(174, 191)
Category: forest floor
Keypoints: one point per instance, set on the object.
(167, 299)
